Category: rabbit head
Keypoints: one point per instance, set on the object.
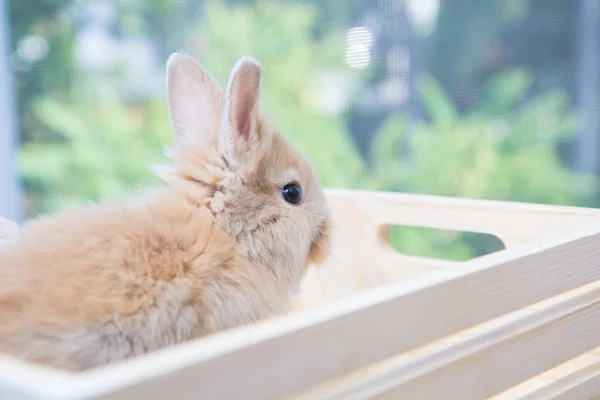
(228, 156)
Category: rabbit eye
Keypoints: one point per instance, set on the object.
(291, 193)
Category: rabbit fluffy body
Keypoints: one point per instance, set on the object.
(216, 247)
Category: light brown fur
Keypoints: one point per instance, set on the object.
(216, 248)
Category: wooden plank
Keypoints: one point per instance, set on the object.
(487, 359)
(577, 378)
(360, 218)
(586, 387)
(516, 357)
(287, 355)
(516, 221)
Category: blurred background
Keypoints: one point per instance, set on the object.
(495, 99)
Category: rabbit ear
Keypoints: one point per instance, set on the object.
(194, 98)
(243, 93)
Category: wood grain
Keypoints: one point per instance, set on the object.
(484, 360)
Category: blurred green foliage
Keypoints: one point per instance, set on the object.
(91, 150)
(84, 147)
(505, 148)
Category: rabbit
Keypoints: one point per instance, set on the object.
(225, 241)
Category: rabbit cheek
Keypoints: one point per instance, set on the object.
(320, 245)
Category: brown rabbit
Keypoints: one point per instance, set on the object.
(225, 242)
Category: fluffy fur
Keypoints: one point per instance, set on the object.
(215, 248)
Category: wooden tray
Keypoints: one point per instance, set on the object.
(520, 323)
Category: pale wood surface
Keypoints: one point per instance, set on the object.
(578, 378)
(363, 259)
(482, 361)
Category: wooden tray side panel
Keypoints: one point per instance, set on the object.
(362, 258)
(487, 359)
(578, 378)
